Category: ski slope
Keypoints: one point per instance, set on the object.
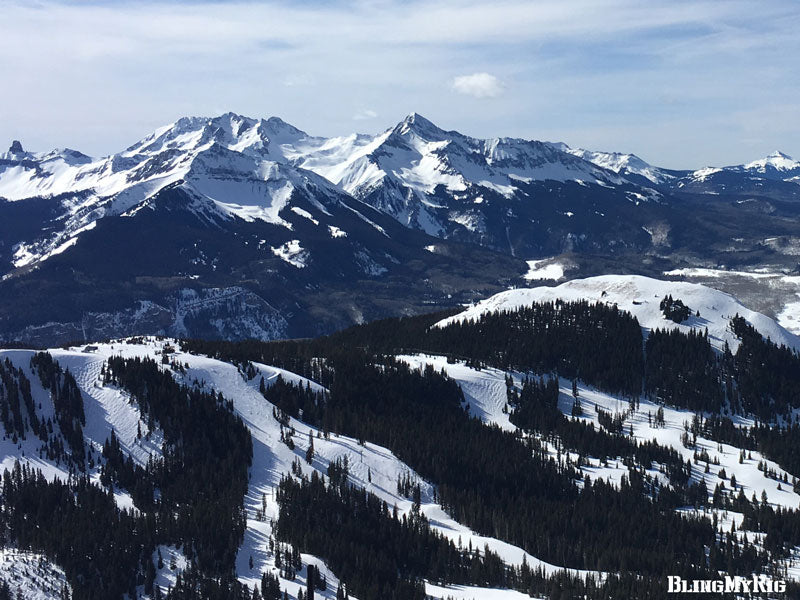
(372, 467)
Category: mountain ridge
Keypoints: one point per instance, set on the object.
(412, 216)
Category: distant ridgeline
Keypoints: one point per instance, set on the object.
(502, 484)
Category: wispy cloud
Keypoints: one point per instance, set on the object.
(479, 85)
(365, 115)
(99, 75)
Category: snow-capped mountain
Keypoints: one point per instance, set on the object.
(417, 172)
(247, 222)
(763, 176)
(628, 166)
(224, 163)
(206, 228)
(777, 164)
(775, 176)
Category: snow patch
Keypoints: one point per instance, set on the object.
(544, 269)
(293, 253)
(32, 576)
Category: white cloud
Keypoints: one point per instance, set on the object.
(479, 85)
(364, 115)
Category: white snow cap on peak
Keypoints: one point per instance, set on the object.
(418, 124)
(777, 160)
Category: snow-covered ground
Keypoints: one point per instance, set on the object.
(545, 269)
(641, 297)
(783, 297)
(465, 592)
(31, 576)
(371, 466)
(376, 468)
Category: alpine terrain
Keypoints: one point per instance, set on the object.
(239, 361)
(235, 228)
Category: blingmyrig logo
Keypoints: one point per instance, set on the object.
(757, 584)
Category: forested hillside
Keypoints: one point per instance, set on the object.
(558, 449)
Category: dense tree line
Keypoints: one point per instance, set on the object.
(767, 375)
(201, 481)
(300, 403)
(202, 478)
(383, 556)
(681, 369)
(596, 342)
(67, 402)
(503, 487)
(378, 554)
(77, 525)
(17, 410)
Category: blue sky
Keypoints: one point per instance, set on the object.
(681, 84)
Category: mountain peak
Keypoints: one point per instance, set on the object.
(16, 147)
(418, 124)
(779, 161)
(779, 154)
(277, 126)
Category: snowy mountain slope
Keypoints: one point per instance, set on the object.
(629, 166)
(226, 163)
(107, 409)
(485, 391)
(371, 466)
(31, 576)
(641, 297)
(753, 474)
(748, 475)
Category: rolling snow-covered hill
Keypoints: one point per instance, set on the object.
(641, 297)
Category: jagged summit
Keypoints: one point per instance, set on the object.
(16, 147)
(779, 154)
(418, 124)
